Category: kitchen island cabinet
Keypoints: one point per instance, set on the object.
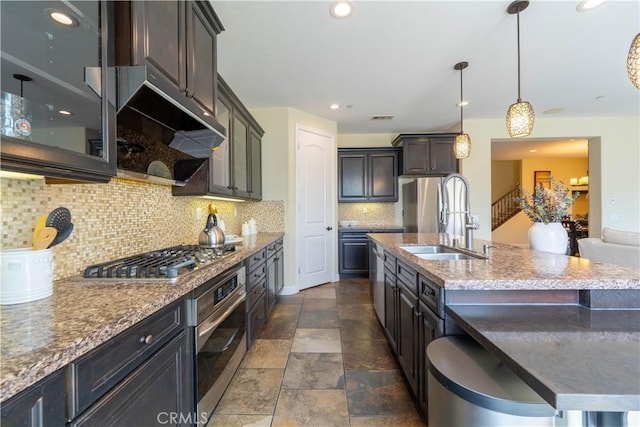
(38, 406)
(515, 292)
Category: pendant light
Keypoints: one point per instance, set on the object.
(633, 61)
(462, 142)
(520, 116)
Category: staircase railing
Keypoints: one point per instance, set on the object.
(505, 208)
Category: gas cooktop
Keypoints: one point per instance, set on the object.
(166, 263)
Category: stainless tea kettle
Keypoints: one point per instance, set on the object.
(212, 236)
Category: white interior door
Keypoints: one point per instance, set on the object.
(316, 202)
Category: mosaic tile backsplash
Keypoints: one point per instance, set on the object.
(118, 219)
(376, 213)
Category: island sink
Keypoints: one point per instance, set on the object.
(438, 253)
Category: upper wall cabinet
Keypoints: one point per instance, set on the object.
(427, 154)
(177, 40)
(57, 100)
(235, 167)
(368, 175)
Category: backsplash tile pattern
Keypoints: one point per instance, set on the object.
(377, 213)
(118, 219)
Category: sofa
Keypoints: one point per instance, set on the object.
(614, 247)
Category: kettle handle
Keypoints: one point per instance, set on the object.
(212, 221)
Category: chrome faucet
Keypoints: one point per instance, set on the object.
(469, 226)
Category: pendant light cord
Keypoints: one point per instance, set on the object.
(518, 18)
(461, 98)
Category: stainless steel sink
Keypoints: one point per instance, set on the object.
(446, 256)
(438, 253)
(427, 249)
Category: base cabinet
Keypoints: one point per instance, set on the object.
(39, 406)
(154, 394)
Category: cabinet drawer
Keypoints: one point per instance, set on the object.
(256, 276)
(361, 234)
(431, 293)
(256, 292)
(389, 261)
(95, 373)
(254, 260)
(408, 276)
(271, 250)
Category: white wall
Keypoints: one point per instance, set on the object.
(279, 171)
(619, 164)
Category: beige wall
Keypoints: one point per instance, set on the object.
(279, 124)
(365, 140)
(618, 161)
(505, 174)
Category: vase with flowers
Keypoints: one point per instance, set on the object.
(546, 207)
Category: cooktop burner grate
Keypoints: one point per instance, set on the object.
(165, 263)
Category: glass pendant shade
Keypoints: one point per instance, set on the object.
(462, 146)
(520, 119)
(633, 61)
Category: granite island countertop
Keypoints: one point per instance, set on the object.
(574, 357)
(508, 267)
(42, 336)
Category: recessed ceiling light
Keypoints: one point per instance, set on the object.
(553, 111)
(587, 5)
(341, 9)
(62, 18)
(533, 151)
(65, 112)
(204, 113)
(334, 106)
(462, 104)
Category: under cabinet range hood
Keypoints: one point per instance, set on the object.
(195, 132)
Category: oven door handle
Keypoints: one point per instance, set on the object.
(210, 325)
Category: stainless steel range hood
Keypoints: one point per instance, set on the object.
(195, 133)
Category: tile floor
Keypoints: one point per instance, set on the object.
(321, 360)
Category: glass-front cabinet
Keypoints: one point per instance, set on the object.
(56, 108)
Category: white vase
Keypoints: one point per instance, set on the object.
(550, 237)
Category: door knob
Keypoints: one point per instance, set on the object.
(329, 228)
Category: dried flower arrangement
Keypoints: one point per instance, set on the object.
(546, 204)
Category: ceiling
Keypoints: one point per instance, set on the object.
(397, 57)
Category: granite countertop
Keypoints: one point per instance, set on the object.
(42, 336)
(509, 267)
(575, 358)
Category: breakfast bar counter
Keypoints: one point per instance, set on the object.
(573, 357)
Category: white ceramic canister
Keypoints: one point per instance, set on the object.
(253, 226)
(27, 275)
(245, 229)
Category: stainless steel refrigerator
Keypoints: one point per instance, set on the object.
(421, 205)
(436, 205)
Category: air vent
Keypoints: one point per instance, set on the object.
(382, 117)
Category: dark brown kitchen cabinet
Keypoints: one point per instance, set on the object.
(177, 40)
(235, 167)
(34, 137)
(427, 154)
(161, 386)
(368, 175)
(38, 406)
(430, 327)
(353, 252)
(150, 366)
(279, 266)
(407, 320)
(391, 308)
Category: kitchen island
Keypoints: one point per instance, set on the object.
(569, 327)
(42, 336)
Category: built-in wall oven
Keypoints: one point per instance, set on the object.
(218, 315)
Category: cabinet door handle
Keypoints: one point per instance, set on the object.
(147, 339)
(329, 228)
